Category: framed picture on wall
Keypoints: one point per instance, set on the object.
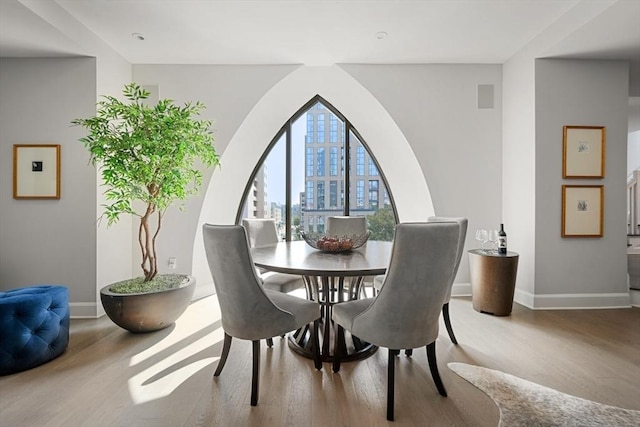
(36, 171)
(583, 151)
(582, 210)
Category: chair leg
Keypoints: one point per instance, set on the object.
(391, 382)
(337, 348)
(255, 376)
(447, 323)
(315, 342)
(225, 352)
(269, 342)
(433, 367)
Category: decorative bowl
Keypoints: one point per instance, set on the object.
(328, 243)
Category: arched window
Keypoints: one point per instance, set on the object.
(318, 166)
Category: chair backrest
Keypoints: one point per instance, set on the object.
(346, 225)
(405, 312)
(463, 223)
(260, 231)
(247, 311)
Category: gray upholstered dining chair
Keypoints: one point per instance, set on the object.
(463, 222)
(406, 311)
(346, 225)
(249, 311)
(261, 232)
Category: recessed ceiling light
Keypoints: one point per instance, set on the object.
(381, 35)
(137, 36)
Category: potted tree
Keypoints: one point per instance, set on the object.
(147, 156)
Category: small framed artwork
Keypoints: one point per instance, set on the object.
(36, 171)
(582, 210)
(583, 151)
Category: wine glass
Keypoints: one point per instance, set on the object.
(493, 238)
(483, 236)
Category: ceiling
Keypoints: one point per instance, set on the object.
(322, 32)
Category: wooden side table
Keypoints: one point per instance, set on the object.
(493, 281)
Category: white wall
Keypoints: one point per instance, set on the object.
(591, 270)
(276, 107)
(229, 94)
(633, 151)
(518, 177)
(433, 109)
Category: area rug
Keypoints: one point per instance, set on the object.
(523, 403)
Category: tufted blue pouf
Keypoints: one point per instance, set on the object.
(34, 326)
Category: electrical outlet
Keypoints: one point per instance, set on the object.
(173, 262)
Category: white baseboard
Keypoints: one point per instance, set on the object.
(635, 297)
(84, 310)
(572, 301)
(461, 290)
(564, 301)
(81, 310)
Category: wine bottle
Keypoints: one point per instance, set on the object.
(502, 241)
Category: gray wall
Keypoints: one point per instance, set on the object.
(48, 241)
(580, 92)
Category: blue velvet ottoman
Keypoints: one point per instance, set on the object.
(34, 326)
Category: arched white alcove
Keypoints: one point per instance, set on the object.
(375, 125)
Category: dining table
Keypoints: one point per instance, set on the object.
(330, 278)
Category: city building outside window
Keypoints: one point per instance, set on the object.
(309, 136)
(373, 170)
(360, 161)
(320, 127)
(333, 161)
(320, 196)
(309, 168)
(320, 162)
(373, 194)
(309, 194)
(360, 193)
(333, 194)
(333, 129)
(295, 190)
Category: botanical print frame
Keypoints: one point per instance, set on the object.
(583, 151)
(36, 171)
(582, 210)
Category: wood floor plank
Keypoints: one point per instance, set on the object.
(109, 377)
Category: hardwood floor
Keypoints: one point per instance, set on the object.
(109, 377)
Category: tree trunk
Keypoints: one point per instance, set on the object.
(147, 243)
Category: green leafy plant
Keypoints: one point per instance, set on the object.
(382, 224)
(147, 154)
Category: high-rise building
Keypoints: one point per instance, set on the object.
(256, 204)
(325, 183)
(312, 174)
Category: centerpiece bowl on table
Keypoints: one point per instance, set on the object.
(332, 243)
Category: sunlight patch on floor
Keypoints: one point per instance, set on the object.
(163, 377)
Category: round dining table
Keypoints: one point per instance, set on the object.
(329, 278)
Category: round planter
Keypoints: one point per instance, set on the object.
(146, 312)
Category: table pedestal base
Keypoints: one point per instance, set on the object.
(353, 347)
(328, 291)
